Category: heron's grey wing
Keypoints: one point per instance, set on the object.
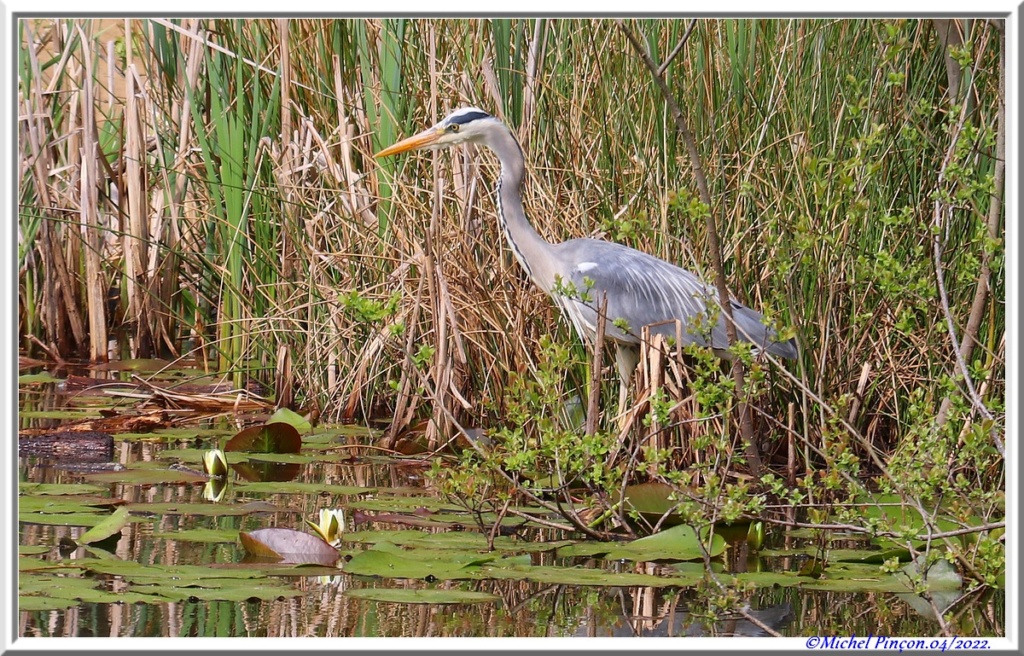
(750, 327)
(641, 290)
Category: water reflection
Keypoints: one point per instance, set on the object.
(655, 612)
(324, 607)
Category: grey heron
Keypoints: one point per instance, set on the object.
(639, 289)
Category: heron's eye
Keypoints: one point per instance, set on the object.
(454, 127)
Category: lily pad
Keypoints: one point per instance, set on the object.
(204, 535)
(33, 603)
(234, 590)
(403, 504)
(292, 418)
(456, 540)
(32, 564)
(206, 509)
(554, 575)
(276, 437)
(676, 543)
(292, 487)
(62, 504)
(58, 489)
(36, 379)
(139, 573)
(147, 476)
(378, 562)
(653, 501)
(282, 458)
(32, 550)
(288, 545)
(107, 528)
(62, 519)
(430, 596)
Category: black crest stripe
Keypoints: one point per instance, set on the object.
(462, 119)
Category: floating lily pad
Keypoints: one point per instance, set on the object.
(276, 437)
(771, 579)
(456, 540)
(62, 519)
(554, 575)
(32, 564)
(873, 556)
(892, 510)
(38, 379)
(33, 603)
(676, 543)
(147, 476)
(206, 509)
(288, 545)
(205, 535)
(72, 588)
(112, 525)
(463, 558)
(221, 590)
(430, 596)
(403, 504)
(195, 456)
(139, 573)
(32, 549)
(292, 487)
(940, 575)
(62, 504)
(282, 458)
(292, 418)
(653, 501)
(58, 489)
(305, 570)
(385, 563)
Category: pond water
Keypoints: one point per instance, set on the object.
(175, 567)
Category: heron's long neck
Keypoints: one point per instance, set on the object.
(530, 249)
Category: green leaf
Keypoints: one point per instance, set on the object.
(275, 437)
(288, 545)
(58, 489)
(293, 487)
(653, 500)
(32, 603)
(431, 596)
(205, 509)
(292, 418)
(147, 476)
(677, 543)
(378, 562)
(203, 535)
(108, 527)
(35, 379)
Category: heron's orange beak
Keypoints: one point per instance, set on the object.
(426, 138)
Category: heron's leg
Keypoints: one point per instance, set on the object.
(627, 357)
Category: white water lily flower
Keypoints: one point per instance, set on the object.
(214, 463)
(331, 526)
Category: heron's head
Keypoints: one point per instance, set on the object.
(462, 125)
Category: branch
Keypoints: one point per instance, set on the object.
(743, 409)
(962, 351)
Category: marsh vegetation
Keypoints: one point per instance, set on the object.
(204, 191)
